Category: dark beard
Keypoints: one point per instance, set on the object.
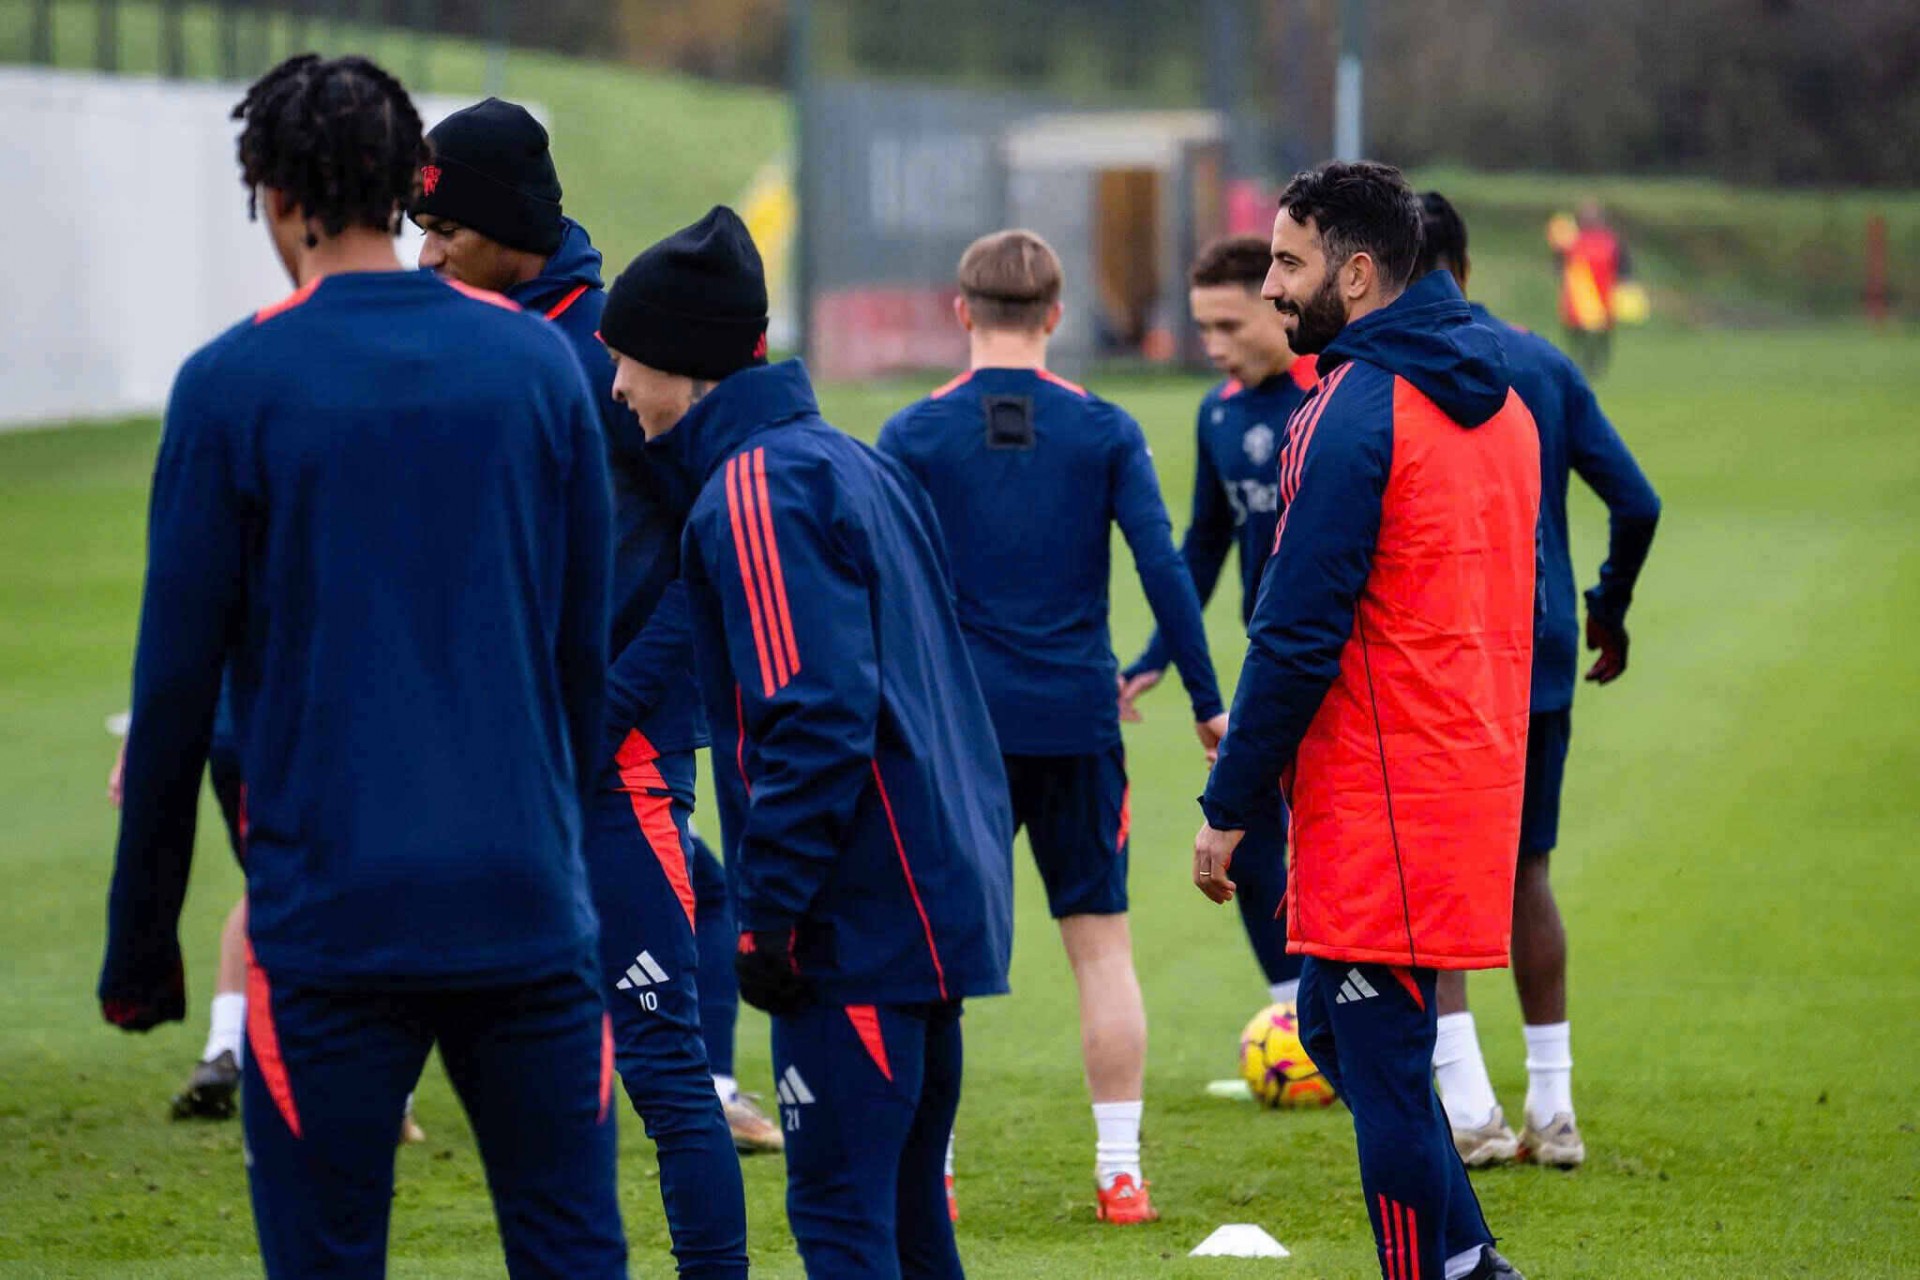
(1320, 321)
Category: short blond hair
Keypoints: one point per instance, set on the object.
(1010, 279)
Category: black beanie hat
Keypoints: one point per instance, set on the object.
(694, 304)
(491, 171)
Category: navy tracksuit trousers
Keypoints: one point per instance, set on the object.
(642, 878)
(867, 1099)
(716, 936)
(327, 1076)
(1260, 877)
(1370, 1028)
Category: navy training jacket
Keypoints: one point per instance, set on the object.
(650, 687)
(1236, 487)
(1575, 438)
(852, 745)
(1029, 473)
(382, 505)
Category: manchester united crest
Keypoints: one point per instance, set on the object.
(1258, 442)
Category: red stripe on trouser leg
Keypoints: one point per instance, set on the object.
(263, 1042)
(1406, 979)
(1386, 1239)
(1413, 1241)
(640, 775)
(606, 1065)
(866, 1021)
(662, 834)
(1126, 818)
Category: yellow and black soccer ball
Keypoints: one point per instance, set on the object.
(1275, 1065)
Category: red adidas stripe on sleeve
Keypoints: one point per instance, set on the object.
(783, 633)
(735, 502)
(757, 547)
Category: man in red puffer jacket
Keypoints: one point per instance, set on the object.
(1386, 687)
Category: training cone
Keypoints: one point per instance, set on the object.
(1240, 1240)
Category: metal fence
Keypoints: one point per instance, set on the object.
(1117, 131)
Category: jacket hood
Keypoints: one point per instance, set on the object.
(1430, 337)
(738, 406)
(574, 263)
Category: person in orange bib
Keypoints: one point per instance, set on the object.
(1384, 694)
(1592, 264)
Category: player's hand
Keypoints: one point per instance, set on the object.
(1131, 689)
(1212, 855)
(116, 791)
(770, 978)
(144, 1004)
(1610, 638)
(1212, 732)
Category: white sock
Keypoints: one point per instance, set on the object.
(1461, 1073)
(949, 1155)
(728, 1088)
(1116, 1149)
(1461, 1264)
(1549, 1071)
(1284, 992)
(227, 1031)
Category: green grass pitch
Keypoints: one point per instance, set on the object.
(1735, 869)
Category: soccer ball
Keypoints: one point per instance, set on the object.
(1276, 1067)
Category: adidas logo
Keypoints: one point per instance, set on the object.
(793, 1090)
(1356, 987)
(643, 972)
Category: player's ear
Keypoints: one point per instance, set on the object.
(1357, 276)
(962, 313)
(1054, 314)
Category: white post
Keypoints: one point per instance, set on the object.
(1347, 138)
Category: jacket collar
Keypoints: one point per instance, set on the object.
(576, 262)
(738, 408)
(1429, 336)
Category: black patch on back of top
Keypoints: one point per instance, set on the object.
(1009, 421)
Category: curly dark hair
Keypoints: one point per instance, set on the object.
(1241, 260)
(340, 137)
(1360, 206)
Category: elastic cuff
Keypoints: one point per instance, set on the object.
(1605, 608)
(767, 921)
(1219, 817)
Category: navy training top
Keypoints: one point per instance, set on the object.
(382, 506)
(1028, 474)
(1575, 438)
(1236, 487)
